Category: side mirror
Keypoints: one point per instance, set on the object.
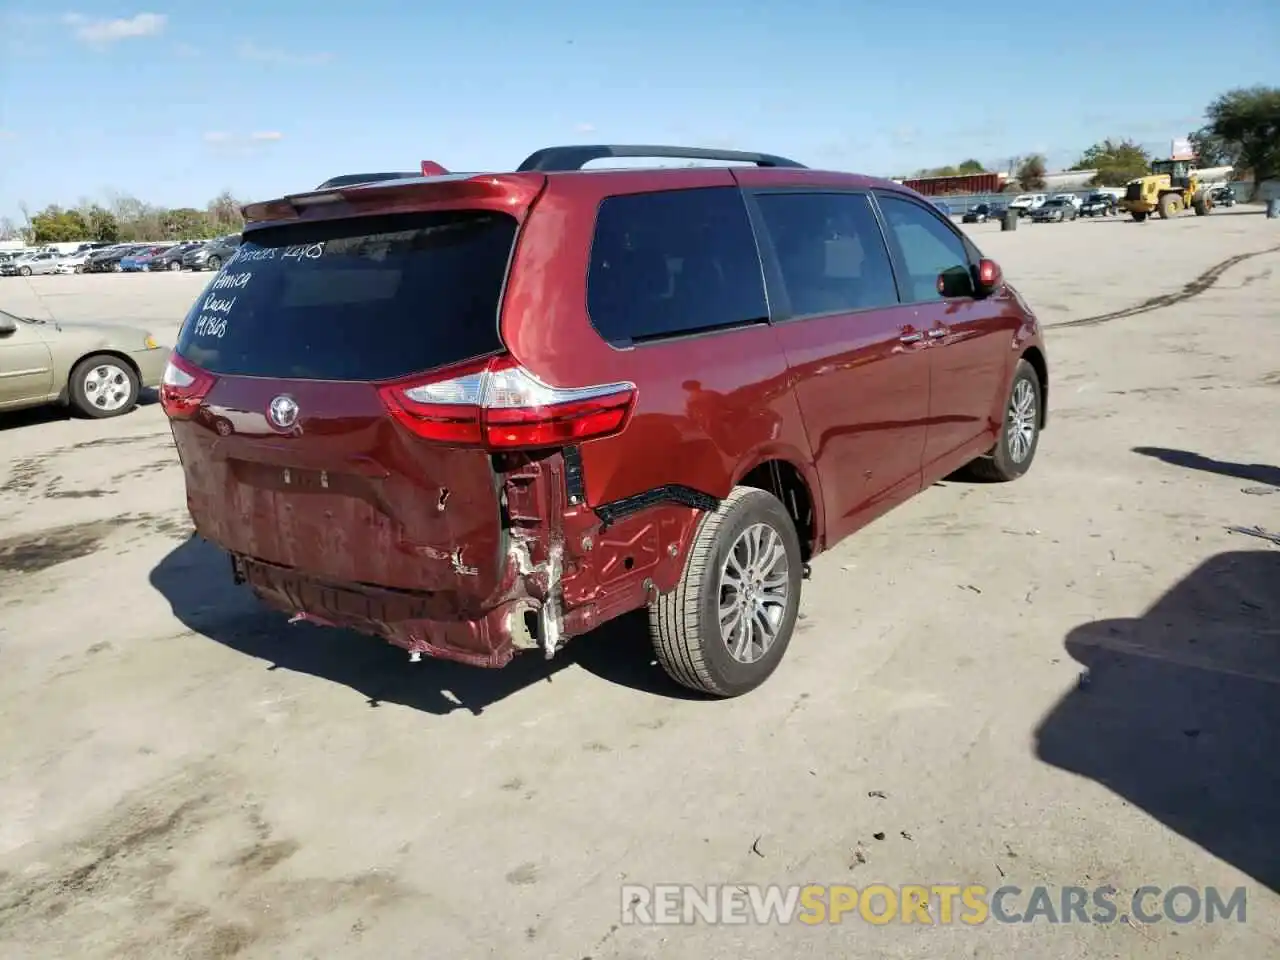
(987, 277)
(955, 282)
(8, 326)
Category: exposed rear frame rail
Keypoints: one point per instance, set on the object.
(575, 157)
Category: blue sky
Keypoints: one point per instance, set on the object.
(174, 103)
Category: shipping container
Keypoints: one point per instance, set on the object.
(965, 183)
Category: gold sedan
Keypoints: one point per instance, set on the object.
(97, 369)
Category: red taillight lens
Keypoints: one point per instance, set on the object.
(183, 388)
(500, 405)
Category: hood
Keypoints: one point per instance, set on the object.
(128, 337)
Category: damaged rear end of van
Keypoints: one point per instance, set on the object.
(355, 435)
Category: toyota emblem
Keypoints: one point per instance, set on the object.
(283, 412)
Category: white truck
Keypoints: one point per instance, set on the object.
(1024, 203)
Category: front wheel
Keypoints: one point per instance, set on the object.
(1138, 215)
(726, 625)
(1014, 451)
(103, 386)
(175, 265)
(214, 263)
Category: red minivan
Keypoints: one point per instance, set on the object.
(476, 414)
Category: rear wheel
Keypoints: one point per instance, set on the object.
(214, 263)
(25, 271)
(726, 625)
(175, 264)
(1014, 452)
(103, 386)
(1202, 204)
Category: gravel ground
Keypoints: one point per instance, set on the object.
(1062, 681)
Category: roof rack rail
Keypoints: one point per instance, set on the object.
(555, 159)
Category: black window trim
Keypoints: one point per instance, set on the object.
(775, 286)
(895, 248)
(625, 344)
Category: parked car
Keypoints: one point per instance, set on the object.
(98, 370)
(108, 260)
(140, 260)
(1099, 205)
(212, 255)
(1054, 211)
(1025, 203)
(1223, 196)
(73, 262)
(171, 258)
(979, 214)
(1071, 198)
(501, 410)
(31, 264)
(943, 207)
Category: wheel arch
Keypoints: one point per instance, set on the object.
(796, 486)
(1035, 356)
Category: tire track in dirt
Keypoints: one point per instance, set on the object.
(1192, 289)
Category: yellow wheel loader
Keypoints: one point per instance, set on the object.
(1170, 188)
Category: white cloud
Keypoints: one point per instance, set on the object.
(251, 51)
(586, 128)
(100, 33)
(241, 144)
(267, 135)
(216, 136)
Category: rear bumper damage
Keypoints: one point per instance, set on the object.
(568, 570)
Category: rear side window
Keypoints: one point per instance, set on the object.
(674, 262)
(373, 298)
(831, 252)
(928, 246)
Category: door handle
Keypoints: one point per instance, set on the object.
(910, 338)
(937, 332)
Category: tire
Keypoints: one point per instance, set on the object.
(175, 265)
(1001, 464)
(214, 264)
(24, 271)
(117, 268)
(685, 623)
(1169, 206)
(1138, 215)
(117, 381)
(1201, 204)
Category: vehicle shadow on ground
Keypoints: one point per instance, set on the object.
(57, 412)
(1253, 472)
(1177, 711)
(196, 580)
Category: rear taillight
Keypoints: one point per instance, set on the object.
(183, 388)
(498, 404)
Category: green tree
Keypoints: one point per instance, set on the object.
(1211, 150)
(102, 223)
(1247, 120)
(1031, 172)
(1117, 162)
(55, 225)
(971, 166)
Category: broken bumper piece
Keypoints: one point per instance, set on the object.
(421, 625)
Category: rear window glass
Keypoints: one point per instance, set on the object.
(373, 298)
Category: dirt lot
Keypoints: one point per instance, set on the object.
(1070, 680)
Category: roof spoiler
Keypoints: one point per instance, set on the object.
(428, 168)
(555, 159)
